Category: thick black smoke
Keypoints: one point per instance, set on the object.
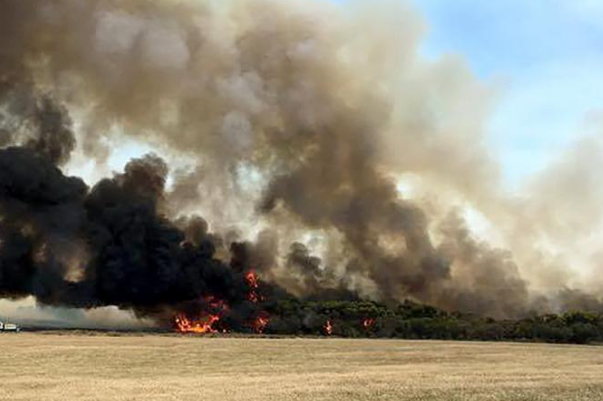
(130, 255)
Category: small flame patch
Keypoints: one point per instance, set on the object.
(260, 323)
(368, 323)
(252, 281)
(328, 327)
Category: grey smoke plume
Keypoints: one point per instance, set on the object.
(300, 117)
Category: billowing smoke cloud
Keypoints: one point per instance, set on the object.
(70, 246)
(297, 120)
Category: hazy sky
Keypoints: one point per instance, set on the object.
(546, 56)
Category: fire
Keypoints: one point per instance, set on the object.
(260, 323)
(253, 283)
(201, 326)
(206, 323)
(328, 327)
(215, 309)
(368, 323)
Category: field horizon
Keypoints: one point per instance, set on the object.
(130, 366)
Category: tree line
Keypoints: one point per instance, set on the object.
(411, 320)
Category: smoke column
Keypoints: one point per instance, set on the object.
(289, 122)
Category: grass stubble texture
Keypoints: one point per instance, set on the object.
(51, 367)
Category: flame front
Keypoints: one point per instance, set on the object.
(216, 308)
(207, 322)
(201, 326)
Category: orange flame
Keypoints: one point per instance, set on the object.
(252, 282)
(260, 323)
(328, 327)
(368, 323)
(207, 322)
(202, 326)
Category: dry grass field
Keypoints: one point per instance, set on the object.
(53, 367)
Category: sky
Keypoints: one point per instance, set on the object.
(544, 56)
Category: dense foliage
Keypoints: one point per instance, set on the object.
(414, 321)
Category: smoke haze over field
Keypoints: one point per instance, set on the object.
(300, 127)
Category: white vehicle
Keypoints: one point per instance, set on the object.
(9, 327)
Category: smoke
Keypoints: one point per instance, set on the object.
(71, 246)
(291, 122)
(28, 312)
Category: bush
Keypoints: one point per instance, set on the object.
(415, 321)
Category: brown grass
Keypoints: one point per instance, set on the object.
(76, 367)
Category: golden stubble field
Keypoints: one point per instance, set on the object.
(82, 367)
